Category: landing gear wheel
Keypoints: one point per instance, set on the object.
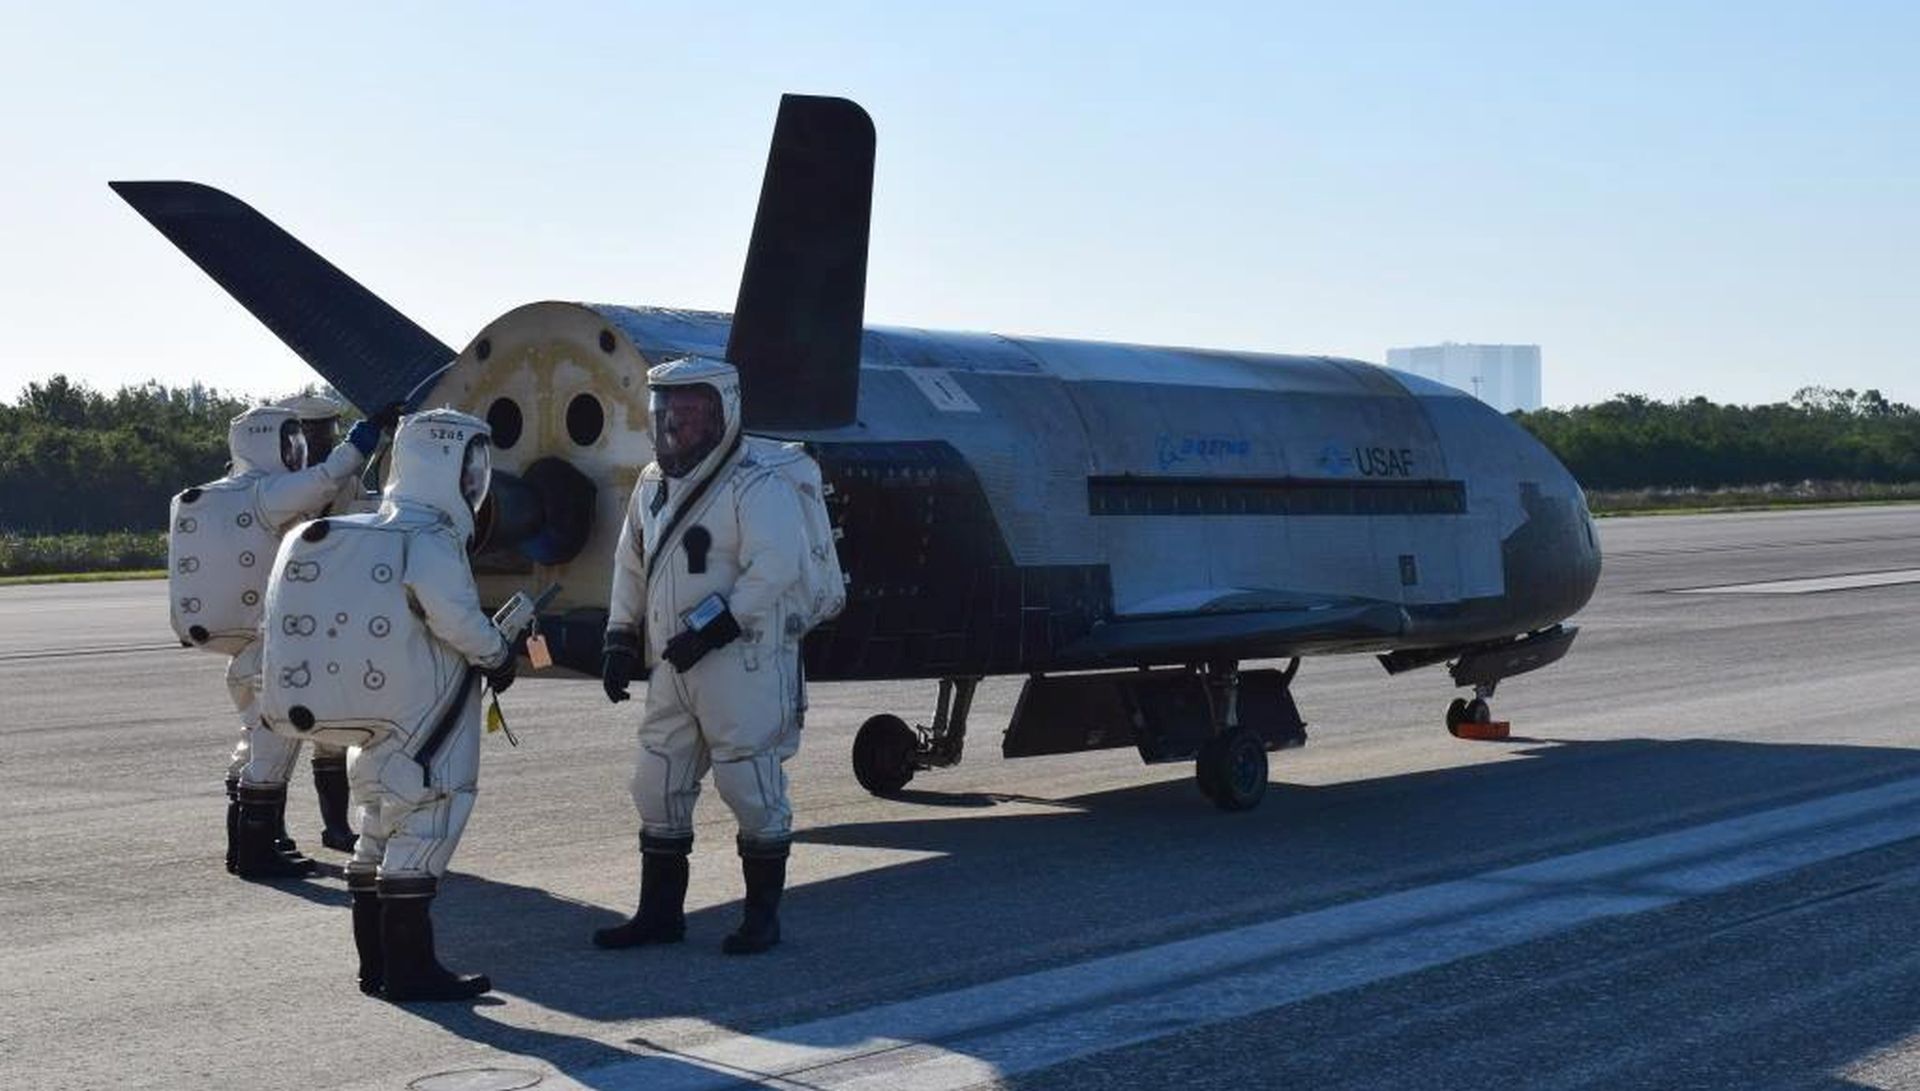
(883, 754)
(1456, 715)
(1232, 769)
(1478, 712)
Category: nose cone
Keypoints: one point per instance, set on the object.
(1553, 560)
(1587, 565)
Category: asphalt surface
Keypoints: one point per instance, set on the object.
(131, 959)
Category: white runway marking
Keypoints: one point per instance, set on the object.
(1811, 585)
(68, 653)
(1022, 1024)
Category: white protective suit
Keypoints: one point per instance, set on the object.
(739, 708)
(320, 416)
(280, 498)
(411, 818)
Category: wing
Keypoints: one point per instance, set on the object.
(369, 351)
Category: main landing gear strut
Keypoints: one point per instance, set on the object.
(1221, 718)
(1231, 768)
(887, 752)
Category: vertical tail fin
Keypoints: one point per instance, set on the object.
(797, 325)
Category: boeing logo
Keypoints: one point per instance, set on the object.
(1174, 450)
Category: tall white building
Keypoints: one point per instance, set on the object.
(1506, 377)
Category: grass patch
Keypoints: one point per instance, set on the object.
(85, 577)
(120, 551)
(1749, 497)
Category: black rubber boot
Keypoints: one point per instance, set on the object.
(330, 784)
(413, 971)
(366, 933)
(661, 916)
(233, 826)
(255, 854)
(281, 842)
(764, 864)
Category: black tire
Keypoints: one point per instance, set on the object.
(883, 753)
(1232, 770)
(1456, 715)
(1478, 712)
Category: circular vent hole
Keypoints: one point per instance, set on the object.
(585, 419)
(503, 416)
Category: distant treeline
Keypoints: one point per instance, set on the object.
(75, 459)
(1630, 441)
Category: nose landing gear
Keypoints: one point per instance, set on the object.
(1484, 666)
(1473, 719)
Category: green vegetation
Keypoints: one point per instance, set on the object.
(86, 577)
(115, 551)
(1804, 494)
(74, 459)
(1821, 435)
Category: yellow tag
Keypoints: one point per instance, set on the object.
(537, 652)
(497, 720)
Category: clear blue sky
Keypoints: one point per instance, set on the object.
(1670, 198)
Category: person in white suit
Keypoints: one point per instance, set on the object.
(709, 554)
(222, 538)
(320, 418)
(375, 634)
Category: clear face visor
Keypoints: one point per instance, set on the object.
(686, 425)
(476, 472)
(293, 446)
(322, 436)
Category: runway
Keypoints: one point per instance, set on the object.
(1696, 864)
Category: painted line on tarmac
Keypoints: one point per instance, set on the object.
(1809, 586)
(62, 653)
(1034, 1021)
(1748, 547)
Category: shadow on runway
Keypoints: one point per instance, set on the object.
(1000, 895)
(321, 888)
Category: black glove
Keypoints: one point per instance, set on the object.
(388, 418)
(619, 655)
(685, 650)
(690, 647)
(501, 677)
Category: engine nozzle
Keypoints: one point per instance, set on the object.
(544, 515)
